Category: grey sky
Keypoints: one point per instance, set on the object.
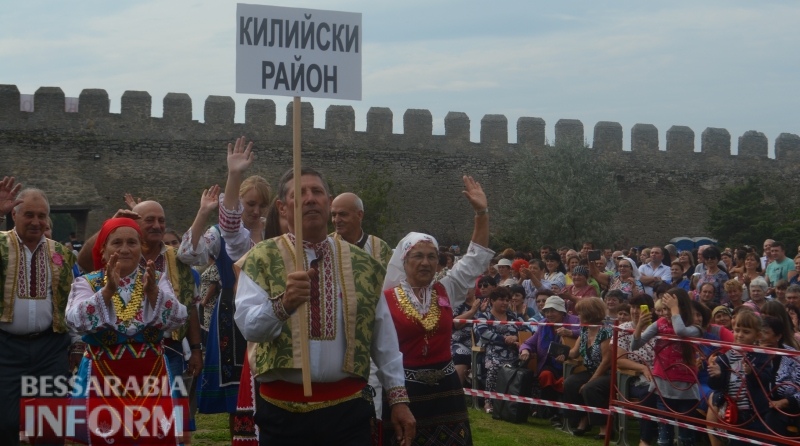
(730, 64)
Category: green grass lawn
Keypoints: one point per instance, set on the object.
(212, 430)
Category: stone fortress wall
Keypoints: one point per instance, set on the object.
(87, 160)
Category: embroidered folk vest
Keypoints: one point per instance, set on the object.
(359, 279)
(379, 249)
(60, 262)
(180, 276)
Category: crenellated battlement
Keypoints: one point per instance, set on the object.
(417, 123)
(88, 157)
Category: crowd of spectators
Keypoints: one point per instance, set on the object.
(730, 295)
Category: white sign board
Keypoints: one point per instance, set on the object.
(298, 52)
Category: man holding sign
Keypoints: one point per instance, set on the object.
(349, 323)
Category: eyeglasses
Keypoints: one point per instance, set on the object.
(623, 266)
(418, 257)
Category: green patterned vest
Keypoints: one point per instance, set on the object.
(359, 280)
(381, 251)
(61, 260)
(180, 276)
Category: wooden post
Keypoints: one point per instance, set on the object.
(298, 245)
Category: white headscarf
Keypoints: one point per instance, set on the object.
(635, 273)
(395, 271)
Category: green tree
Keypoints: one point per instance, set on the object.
(562, 195)
(374, 187)
(752, 212)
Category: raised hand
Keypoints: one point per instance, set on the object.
(150, 285)
(125, 213)
(209, 200)
(475, 194)
(240, 156)
(8, 195)
(131, 201)
(112, 278)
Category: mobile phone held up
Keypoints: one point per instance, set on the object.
(594, 255)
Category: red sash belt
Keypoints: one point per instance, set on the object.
(286, 391)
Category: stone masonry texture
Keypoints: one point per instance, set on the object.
(86, 161)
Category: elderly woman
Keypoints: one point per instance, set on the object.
(422, 311)
(501, 340)
(579, 289)
(626, 279)
(122, 310)
(735, 292)
(590, 387)
(549, 370)
(722, 316)
(758, 294)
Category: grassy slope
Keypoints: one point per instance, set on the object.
(213, 431)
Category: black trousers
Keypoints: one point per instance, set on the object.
(345, 424)
(594, 393)
(42, 356)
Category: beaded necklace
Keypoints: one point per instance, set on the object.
(126, 312)
(430, 321)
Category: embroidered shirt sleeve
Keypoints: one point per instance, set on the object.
(168, 313)
(229, 219)
(255, 314)
(208, 244)
(463, 274)
(236, 236)
(397, 395)
(86, 309)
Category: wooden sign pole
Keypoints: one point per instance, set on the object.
(298, 245)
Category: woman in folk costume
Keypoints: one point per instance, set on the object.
(241, 225)
(422, 310)
(122, 310)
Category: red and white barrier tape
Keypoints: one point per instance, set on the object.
(527, 400)
(519, 323)
(698, 341)
(694, 427)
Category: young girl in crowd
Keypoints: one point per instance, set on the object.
(736, 378)
(674, 370)
(784, 404)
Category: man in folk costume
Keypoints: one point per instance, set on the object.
(152, 222)
(35, 275)
(347, 213)
(349, 323)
